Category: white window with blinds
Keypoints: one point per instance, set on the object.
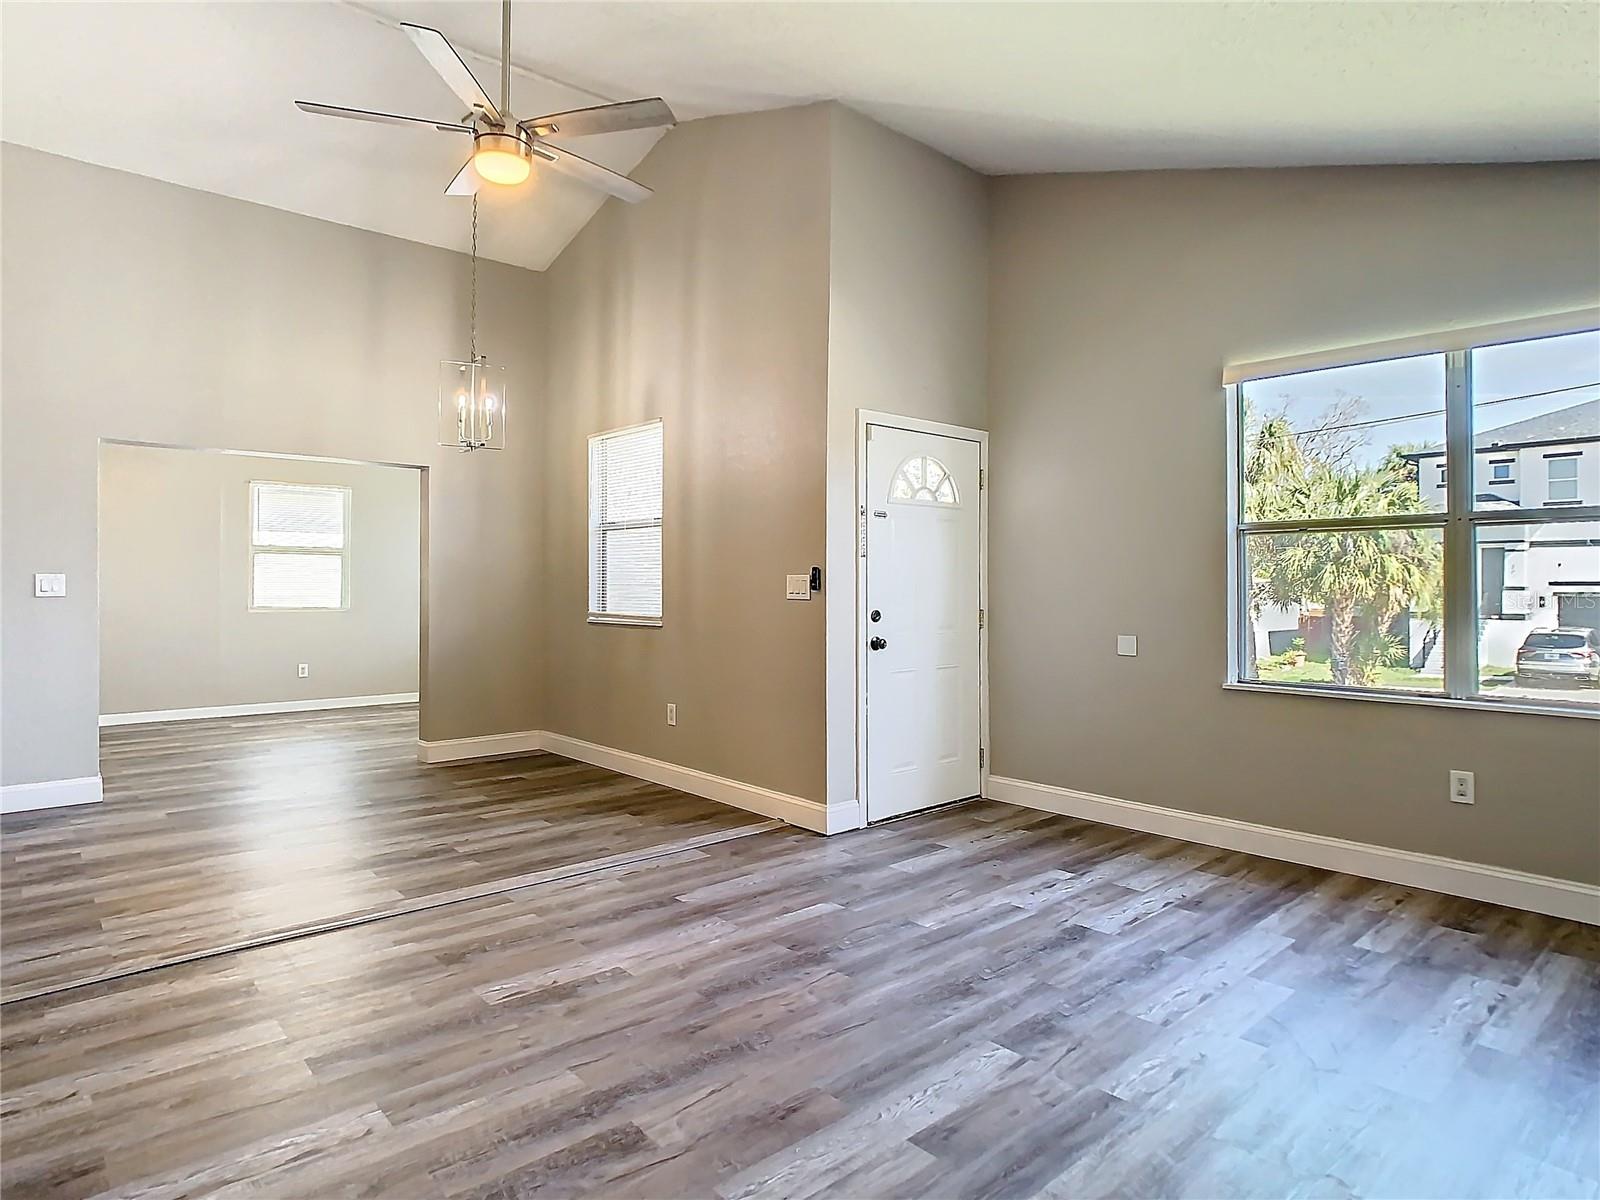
(299, 546)
(625, 526)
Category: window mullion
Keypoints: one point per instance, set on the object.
(1460, 567)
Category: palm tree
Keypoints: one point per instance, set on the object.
(1356, 575)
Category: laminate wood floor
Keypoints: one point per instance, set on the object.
(217, 832)
(986, 1001)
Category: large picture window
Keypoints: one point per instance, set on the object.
(1422, 526)
(299, 547)
(625, 472)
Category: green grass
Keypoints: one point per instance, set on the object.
(1399, 678)
(1313, 671)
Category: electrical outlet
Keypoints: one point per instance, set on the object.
(672, 714)
(1461, 787)
(305, 670)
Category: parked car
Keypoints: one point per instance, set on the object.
(1566, 654)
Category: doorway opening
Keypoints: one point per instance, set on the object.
(240, 584)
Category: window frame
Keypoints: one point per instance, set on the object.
(341, 552)
(1459, 521)
(594, 528)
(1575, 457)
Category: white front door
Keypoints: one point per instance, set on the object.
(922, 620)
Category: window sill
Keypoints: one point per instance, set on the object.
(309, 608)
(642, 622)
(1430, 701)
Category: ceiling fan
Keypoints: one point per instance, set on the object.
(503, 148)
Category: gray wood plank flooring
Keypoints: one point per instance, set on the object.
(216, 832)
(983, 1002)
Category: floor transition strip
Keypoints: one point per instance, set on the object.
(405, 908)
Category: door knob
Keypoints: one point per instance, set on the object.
(876, 643)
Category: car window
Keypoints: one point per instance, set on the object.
(1555, 641)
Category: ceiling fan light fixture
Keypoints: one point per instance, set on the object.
(503, 147)
(502, 158)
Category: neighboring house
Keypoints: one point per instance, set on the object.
(1529, 576)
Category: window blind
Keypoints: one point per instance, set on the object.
(625, 483)
(297, 580)
(295, 515)
(297, 545)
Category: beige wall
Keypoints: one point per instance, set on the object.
(706, 306)
(907, 334)
(138, 310)
(793, 267)
(176, 628)
(1115, 301)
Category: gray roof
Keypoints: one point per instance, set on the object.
(1580, 422)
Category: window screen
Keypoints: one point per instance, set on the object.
(625, 525)
(298, 545)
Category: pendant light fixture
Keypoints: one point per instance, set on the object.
(472, 394)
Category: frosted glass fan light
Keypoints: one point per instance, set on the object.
(472, 405)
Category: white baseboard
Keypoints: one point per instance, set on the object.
(52, 793)
(254, 710)
(1476, 881)
(808, 814)
(494, 745)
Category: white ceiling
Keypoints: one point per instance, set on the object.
(200, 93)
(1022, 87)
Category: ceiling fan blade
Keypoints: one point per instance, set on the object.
(603, 118)
(465, 183)
(593, 174)
(382, 118)
(442, 57)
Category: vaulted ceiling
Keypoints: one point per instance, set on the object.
(200, 93)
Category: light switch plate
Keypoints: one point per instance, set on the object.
(1128, 645)
(799, 587)
(50, 583)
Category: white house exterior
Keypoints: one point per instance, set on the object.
(1531, 576)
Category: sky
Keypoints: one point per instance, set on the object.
(1405, 396)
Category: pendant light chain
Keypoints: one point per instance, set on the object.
(472, 335)
(472, 394)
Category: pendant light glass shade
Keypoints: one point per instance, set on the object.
(472, 405)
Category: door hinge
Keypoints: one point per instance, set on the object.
(982, 756)
(980, 618)
(981, 474)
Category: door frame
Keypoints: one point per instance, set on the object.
(864, 418)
